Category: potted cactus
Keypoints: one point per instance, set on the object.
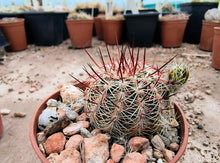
(124, 99)
(212, 19)
(172, 28)
(113, 28)
(80, 26)
(14, 31)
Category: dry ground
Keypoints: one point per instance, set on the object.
(27, 77)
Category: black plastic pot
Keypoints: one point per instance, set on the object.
(44, 28)
(65, 30)
(194, 25)
(3, 42)
(18, 15)
(141, 28)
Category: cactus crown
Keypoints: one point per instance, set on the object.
(79, 16)
(126, 97)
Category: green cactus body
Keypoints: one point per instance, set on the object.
(128, 98)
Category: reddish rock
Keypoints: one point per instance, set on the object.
(138, 143)
(74, 128)
(95, 149)
(174, 147)
(81, 117)
(158, 154)
(69, 156)
(148, 153)
(168, 154)
(74, 142)
(117, 152)
(61, 113)
(158, 143)
(110, 161)
(134, 157)
(55, 143)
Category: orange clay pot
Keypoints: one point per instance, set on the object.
(99, 27)
(1, 125)
(15, 34)
(207, 34)
(34, 123)
(172, 32)
(113, 31)
(216, 49)
(80, 32)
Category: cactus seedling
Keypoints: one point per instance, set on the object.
(126, 97)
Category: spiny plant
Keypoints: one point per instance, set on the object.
(127, 97)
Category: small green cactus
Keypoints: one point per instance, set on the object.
(167, 7)
(127, 97)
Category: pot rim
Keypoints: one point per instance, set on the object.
(33, 130)
(211, 23)
(174, 21)
(80, 21)
(19, 20)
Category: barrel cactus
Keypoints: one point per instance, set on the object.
(126, 97)
(167, 7)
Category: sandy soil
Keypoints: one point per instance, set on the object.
(27, 77)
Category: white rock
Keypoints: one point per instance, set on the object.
(52, 103)
(70, 93)
(70, 113)
(47, 117)
(5, 111)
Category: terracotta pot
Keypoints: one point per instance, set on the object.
(216, 49)
(113, 30)
(15, 34)
(1, 125)
(80, 32)
(99, 28)
(172, 32)
(34, 123)
(207, 34)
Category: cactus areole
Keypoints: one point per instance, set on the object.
(126, 97)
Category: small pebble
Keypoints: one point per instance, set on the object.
(206, 144)
(19, 114)
(200, 126)
(208, 92)
(5, 111)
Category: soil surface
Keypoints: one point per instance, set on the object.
(29, 76)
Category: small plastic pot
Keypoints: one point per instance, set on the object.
(80, 32)
(15, 34)
(113, 31)
(206, 40)
(1, 125)
(172, 32)
(216, 49)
